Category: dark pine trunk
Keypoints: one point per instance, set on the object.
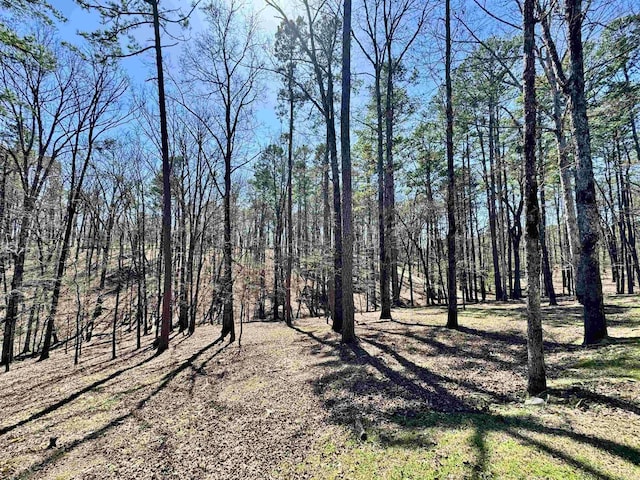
(165, 325)
(385, 294)
(348, 330)
(535, 354)
(595, 325)
(452, 310)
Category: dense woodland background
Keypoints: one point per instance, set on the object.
(255, 227)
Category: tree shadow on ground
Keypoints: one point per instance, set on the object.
(573, 315)
(516, 338)
(57, 453)
(369, 375)
(91, 365)
(380, 384)
(552, 315)
(579, 394)
(70, 398)
(526, 430)
(468, 350)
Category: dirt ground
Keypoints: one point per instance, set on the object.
(269, 408)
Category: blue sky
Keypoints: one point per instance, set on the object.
(141, 68)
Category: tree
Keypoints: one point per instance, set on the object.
(398, 39)
(546, 264)
(286, 52)
(375, 53)
(163, 342)
(595, 325)
(348, 333)
(483, 83)
(452, 309)
(123, 19)
(318, 43)
(270, 182)
(389, 31)
(17, 42)
(589, 283)
(223, 60)
(39, 112)
(565, 166)
(535, 354)
(97, 94)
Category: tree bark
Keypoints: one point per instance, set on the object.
(228, 327)
(287, 293)
(535, 352)
(489, 179)
(15, 297)
(163, 342)
(546, 265)
(389, 182)
(337, 214)
(348, 328)
(385, 269)
(555, 74)
(452, 310)
(595, 325)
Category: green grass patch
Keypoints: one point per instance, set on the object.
(511, 445)
(619, 361)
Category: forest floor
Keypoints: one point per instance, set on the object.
(435, 403)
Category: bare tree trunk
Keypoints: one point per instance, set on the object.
(79, 318)
(389, 183)
(338, 314)
(627, 202)
(74, 195)
(287, 293)
(228, 327)
(452, 310)
(183, 305)
(115, 310)
(483, 288)
(516, 292)
(546, 267)
(348, 327)
(595, 325)
(489, 180)
(372, 259)
(143, 259)
(195, 300)
(385, 269)
(474, 263)
(32, 314)
(623, 270)
(566, 169)
(503, 228)
(107, 244)
(567, 177)
(15, 297)
(159, 296)
(327, 285)
(277, 262)
(163, 342)
(535, 352)
(4, 229)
